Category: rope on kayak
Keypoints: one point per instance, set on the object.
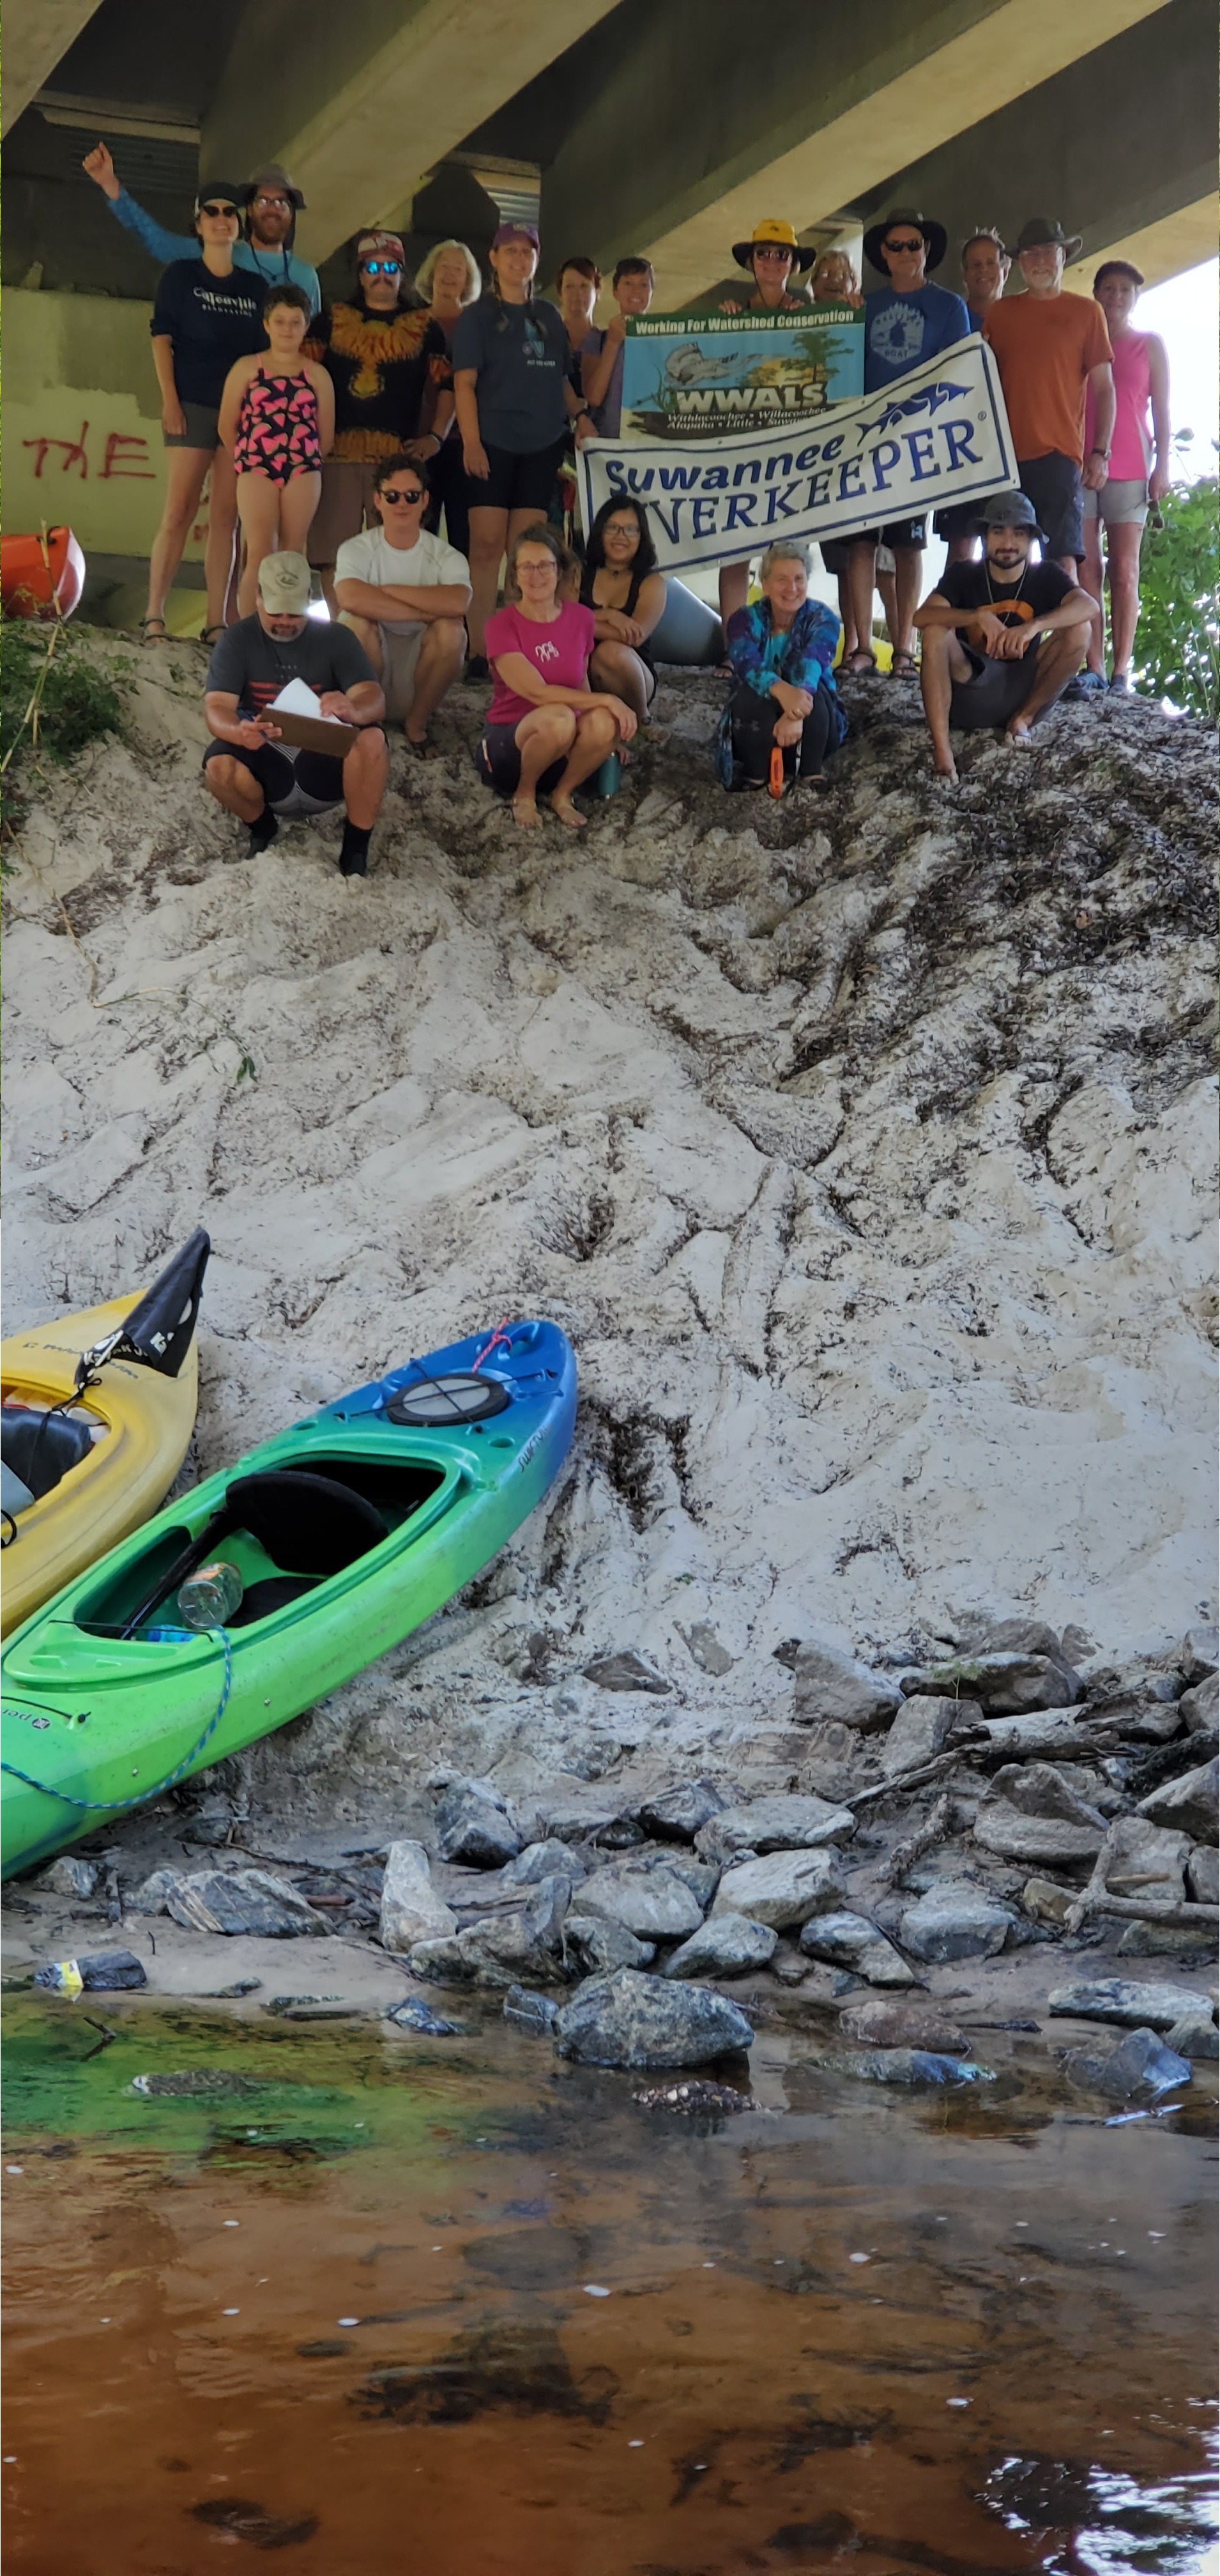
(118, 1806)
(499, 1335)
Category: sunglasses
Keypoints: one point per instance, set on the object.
(773, 254)
(409, 499)
(382, 267)
(912, 246)
(210, 209)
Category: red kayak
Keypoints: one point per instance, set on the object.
(41, 576)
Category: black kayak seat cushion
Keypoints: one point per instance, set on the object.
(41, 1447)
(306, 1524)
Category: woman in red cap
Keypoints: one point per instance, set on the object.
(514, 400)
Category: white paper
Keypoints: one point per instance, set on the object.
(297, 699)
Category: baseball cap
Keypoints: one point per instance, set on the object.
(221, 188)
(515, 233)
(284, 584)
(380, 245)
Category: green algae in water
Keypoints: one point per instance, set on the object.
(214, 2083)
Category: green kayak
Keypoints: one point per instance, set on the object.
(345, 1532)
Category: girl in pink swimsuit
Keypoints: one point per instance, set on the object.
(278, 419)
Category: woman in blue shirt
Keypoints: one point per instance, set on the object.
(207, 314)
(783, 696)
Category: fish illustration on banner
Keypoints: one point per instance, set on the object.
(687, 377)
(931, 439)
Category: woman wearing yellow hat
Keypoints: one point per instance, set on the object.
(774, 258)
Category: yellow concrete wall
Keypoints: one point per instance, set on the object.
(82, 421)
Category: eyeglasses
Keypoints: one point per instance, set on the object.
(382, 267)
(912, 246)
(210, 209)
(409, 499)
(284, 203)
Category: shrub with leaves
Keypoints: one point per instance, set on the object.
(53, 702)
(1177, 641)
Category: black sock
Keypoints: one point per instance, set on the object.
(263, 832)
(354, 851)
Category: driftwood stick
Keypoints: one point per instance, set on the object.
(937, 1829)
(1133, 1909)
(902, 1781)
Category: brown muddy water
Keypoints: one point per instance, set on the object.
(375, 2303)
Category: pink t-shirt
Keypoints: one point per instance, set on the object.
(1131, 447)
(558, 652)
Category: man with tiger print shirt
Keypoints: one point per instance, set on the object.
(383, 355)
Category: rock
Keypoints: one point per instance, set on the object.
(536, 2013)
(702, 1877)
(851, 1941)
(1121, 2000)
(922, 1729)
(782, 1889)
(547, 1859)
(724, 1948)
(597, 1947)
(1203, 1875)
(1141, 1859)
(502, 1949)
(240, 1900)
(697, 2098)
(1020, 1739)
(1196, 2038)
(1045, 1903)
(152, 1895)
(676, 1815)
(650, 1900)
(68, 1876)
(1147, 1714)
(1199, 1654)
(1141, 2064)
(411, 1909)
(1038, 1789)
(626, 1671)
(412, 2014)
(878, 2024)
(1182, 1941)
(778, 1823)
(907, 2066)
(198, 2084)
(1187, 1803)
(630, 2020)
(832, 1687)
(1015, 1636)
(1199, 1709)
(788, 1965)
(955, 1922)
(1006, 1685)
(474, 1828)
(1051, 1840)
(580, 1820)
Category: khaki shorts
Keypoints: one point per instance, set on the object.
(1121, 504)
(399, 655)
(344, 508)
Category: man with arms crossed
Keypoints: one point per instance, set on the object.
(404, 594)
(1001, 638)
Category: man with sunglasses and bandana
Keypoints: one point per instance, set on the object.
(404, 594)
(906, 322)
(384, 352)
(272, 205)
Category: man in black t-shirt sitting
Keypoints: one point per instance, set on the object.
(1001, 638)
(250, 768)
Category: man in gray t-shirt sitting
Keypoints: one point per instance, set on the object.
(250, 768)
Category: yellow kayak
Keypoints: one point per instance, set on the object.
(96, 1414)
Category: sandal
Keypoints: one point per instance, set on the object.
(143, 624)
(209, 635)
(425, 750)
(903, 666)
(859, 662)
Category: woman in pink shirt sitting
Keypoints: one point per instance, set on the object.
(1138, 467)
(545, 726)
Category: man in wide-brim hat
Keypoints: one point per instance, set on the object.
(774, 257)
(1051, 348)
(905, 324)
(1001, 638)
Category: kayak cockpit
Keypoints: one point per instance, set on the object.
(285, 1531)
(39, 1446)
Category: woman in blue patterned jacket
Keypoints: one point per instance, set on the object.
(783, 694)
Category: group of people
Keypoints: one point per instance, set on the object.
(338, 435)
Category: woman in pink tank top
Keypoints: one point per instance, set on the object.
(1138, 468)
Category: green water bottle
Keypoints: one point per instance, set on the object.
(608, 779)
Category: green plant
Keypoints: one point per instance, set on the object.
(53, 702)
(1177, 641)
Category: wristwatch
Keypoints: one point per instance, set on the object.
(1100, 451)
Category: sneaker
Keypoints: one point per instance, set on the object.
(1120, 685)
(478, 667)
(1087, 684)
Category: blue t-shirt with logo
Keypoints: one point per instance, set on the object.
(520, 354)
(904, 331)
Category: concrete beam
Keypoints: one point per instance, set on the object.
(37, 34)
(1117, 144)
(721, 131)
(1159, 250)
(363, 100)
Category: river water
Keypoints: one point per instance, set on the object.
(376, 2303)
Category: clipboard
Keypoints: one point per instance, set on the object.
(314, 733)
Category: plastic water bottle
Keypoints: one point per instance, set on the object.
(209, 1598)
(607, 779)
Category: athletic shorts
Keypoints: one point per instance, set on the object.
(1119, 504)
(835, 553)
(900, 533)
(1052, 483)
(993, 692)
(345, 507)
(960, 521)
(516, 482)
(498, 761)
(202, 427)
(309, 783)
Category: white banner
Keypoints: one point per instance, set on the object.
(932, 439)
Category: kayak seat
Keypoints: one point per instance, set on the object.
(273, 1593)
(41, 1447)
(307, 1524)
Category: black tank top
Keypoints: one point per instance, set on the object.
(587, 600)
